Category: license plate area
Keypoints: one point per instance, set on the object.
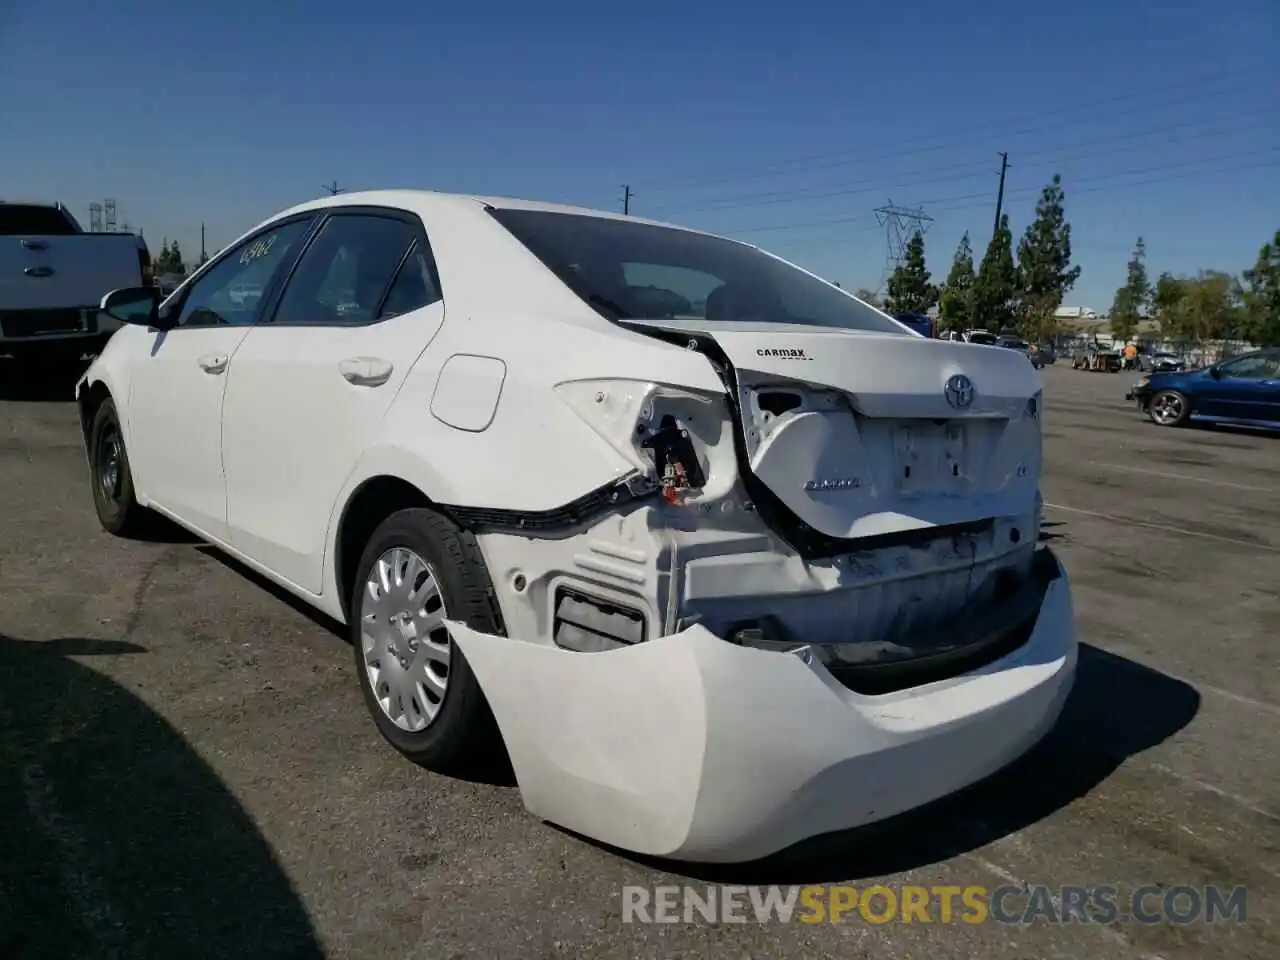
(929, 457)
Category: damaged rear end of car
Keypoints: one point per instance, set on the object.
(816, 598)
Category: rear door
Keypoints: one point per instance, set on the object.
(311, 385)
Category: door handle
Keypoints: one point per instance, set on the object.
(35, 244)
(39, 271)
(366, 371)
(213, 362)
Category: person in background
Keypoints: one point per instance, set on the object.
(1130, 356)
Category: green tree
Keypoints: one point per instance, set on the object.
(995, 288)
(1131, 300)
(1260, 291)
(1045, 273)
(1206, 307)
(955, 307)
(909, 288)
(175, 259)
(1168, 300)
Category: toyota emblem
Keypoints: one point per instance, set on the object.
(959, 391)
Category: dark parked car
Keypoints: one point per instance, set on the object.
(1243, 390)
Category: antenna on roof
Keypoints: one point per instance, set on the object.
(332, 189)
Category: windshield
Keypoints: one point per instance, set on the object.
(630, 270)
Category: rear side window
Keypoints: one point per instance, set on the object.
(345, 272)
(28, 219)
(626, 269)
(415, 285)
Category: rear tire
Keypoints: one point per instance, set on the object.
(113, 498)
(1169, 408)
(416, 684)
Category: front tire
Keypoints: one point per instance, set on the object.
(113, 498)
(417, 570)
(1169, 408)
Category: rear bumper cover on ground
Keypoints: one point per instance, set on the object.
(690, 747)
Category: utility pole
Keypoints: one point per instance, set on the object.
(626, 199)
(203, 256)
(332, 189)
(1004, 166)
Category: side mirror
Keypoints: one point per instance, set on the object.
(139, 306)
(1215, 373)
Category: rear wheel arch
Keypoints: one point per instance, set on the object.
(370, 503)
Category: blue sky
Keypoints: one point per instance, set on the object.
(782, 124)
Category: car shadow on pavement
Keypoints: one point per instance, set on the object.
(492, 770)
(118, 840)
(1117, 709)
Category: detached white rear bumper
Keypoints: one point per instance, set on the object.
(694, 748)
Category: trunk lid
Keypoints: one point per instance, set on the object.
(867, 434)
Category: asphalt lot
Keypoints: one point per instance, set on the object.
(186, 768)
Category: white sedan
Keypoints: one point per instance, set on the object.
(732, 558)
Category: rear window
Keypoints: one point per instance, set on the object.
(29, 220)
(629, 270)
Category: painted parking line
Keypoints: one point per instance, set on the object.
(1180, 476)
(1164, 528)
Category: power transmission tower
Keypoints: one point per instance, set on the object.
(109, 214)
(1004, 167)
(626, 199)
(332, 189)
(95, 218)
(900, 225)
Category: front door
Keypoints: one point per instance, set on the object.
(177, 387)
(312, 383)
(1243, 389)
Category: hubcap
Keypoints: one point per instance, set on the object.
(405, 643)
(110, 463)
(1166, 408)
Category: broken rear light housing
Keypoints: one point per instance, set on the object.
(680, 439)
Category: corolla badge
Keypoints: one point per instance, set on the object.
(959, 391)
(833, 483)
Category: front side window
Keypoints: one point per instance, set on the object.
(231, 290)
(630, 270)
(1258, 366)
(346, 270)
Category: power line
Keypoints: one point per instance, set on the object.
(1072, 188)
(1105, 146)
(946, 140)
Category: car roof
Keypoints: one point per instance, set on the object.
(410, 199)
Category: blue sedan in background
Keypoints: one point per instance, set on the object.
(1244, 390)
